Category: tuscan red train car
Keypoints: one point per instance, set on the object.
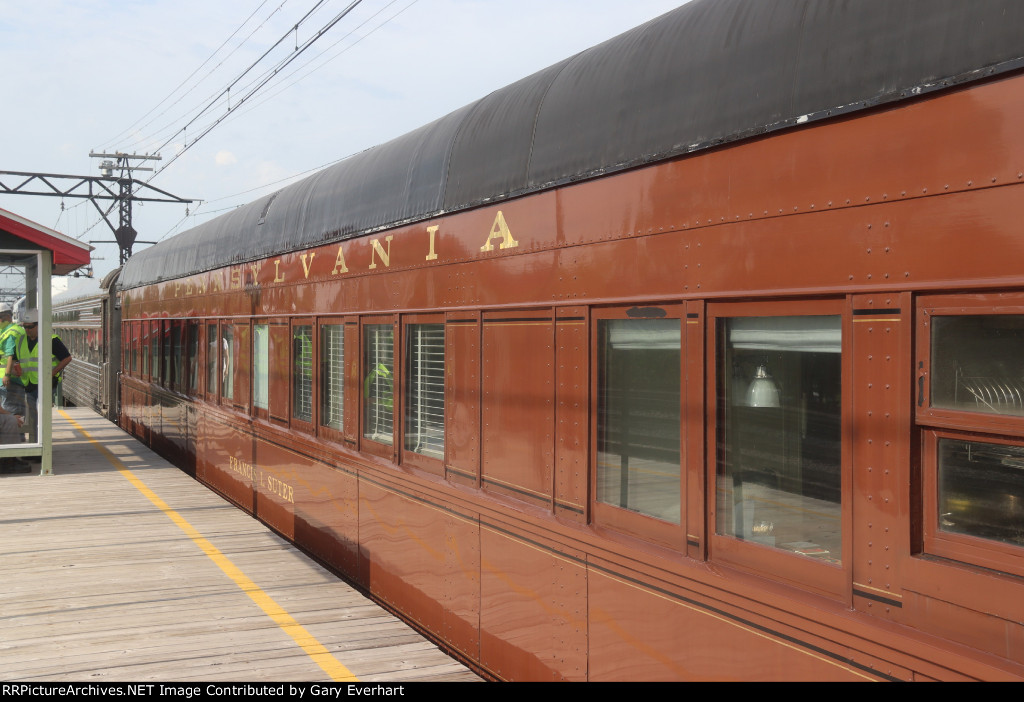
(699, 355)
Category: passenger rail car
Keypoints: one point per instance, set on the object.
(699, 355)
(87, 321)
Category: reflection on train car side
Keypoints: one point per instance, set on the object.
(630, 372)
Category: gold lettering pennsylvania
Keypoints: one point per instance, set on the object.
(287, 268)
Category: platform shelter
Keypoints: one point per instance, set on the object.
(37, 253)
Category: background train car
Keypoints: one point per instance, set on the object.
(87, 321)
(694, 356)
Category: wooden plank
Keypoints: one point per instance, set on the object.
(99, 584)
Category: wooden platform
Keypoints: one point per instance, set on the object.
(100, 582)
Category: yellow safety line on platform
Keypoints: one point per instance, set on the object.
(313, 648)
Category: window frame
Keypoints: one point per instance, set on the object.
(262, 413)
(133, 348)
(411, 459)
(830, 579)
(366, 444)
(178, 353)
(336, 435)
(211, 393)
(932, 306)
(306, 426)
(156, 333)
(225, 356)
(936, 423)
(193, 361)
(618, 518)
(963, 548)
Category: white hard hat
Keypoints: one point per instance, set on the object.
(30, 317)
(5, 307)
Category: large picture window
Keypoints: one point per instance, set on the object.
(779, 466)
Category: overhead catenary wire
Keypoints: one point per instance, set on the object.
(170, 95)
(254, 87)
(298, 52)
(173, 128)
(283, 88)
(227, 89)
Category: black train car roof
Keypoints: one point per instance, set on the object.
(707, 73)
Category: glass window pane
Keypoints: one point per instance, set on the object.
(424, 409)
(638, 416)
(332, 375)
(135, 345)
(978, 363)
(780, 433)
(154, 338)
(193, 356)
(981, 490)
(378, 382)
(211, 358)
(227, 362)
(261, 370)
(167, 353)
(176, 376)
(302, 373)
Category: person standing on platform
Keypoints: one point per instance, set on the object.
(25, 356)
(12, 392)
(12, 404)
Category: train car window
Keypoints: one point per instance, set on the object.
(302, 372)
(424, 389)
(979, 488)
(134, 347)
(332, 376)
(637, 427)
(193, 356)
(378, 383)
(156, 339)
(211, 360)
(977, 364)
(176, 376)
(261, 366)
(278, 394)
(144, 370)
(780, 437)
(227, 362)
(779, 465)
(242, 366)
(638, 415)
(970, 407)
(167, 354)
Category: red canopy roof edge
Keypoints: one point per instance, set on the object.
(68, 253)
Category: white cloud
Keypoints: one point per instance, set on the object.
(225, 158)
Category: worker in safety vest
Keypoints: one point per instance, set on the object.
(12, 396)
(12, 403)
(25, 356)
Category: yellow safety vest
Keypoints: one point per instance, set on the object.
(28, 361)
(7, 332)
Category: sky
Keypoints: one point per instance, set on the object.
(81, 76)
